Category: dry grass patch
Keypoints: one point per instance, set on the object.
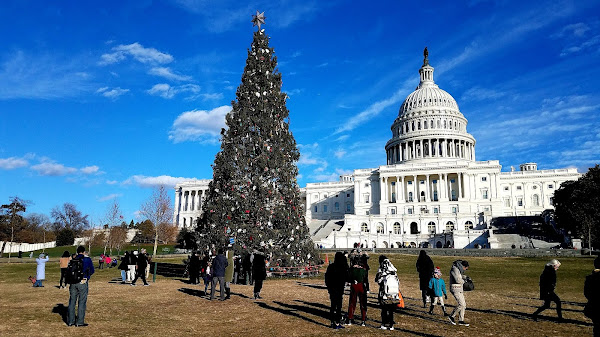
(505, 296)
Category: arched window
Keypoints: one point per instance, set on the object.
(380, 228)
(397, 228)
(535, 199)
(419, 125)
(469, 225)
(435, 195)
(364, 227)
(431, 227)
(413, 126)
(337, 206)
(449, 226)
(439, 124)
(431, 124)
(414, 228)
(410, 196)
(445, 125)
(422, 196)
(348, 207)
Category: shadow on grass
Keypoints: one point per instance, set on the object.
(62, 311)
(193, 292)
(290, 310)
(312, 285)
(533, 307)
(116, 280)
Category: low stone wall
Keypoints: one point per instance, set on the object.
(471, 252)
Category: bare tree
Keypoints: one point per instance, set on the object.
(158, 210)
(113, 217)
(117, 238)
(68, 217)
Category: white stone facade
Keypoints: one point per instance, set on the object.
(432, 189)
(188, 202)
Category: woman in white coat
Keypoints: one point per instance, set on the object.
(41, 269)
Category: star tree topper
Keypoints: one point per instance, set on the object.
(258, 19)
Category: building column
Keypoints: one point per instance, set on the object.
(459, 194)
(401, 193)
(428, 192)
(383, 189)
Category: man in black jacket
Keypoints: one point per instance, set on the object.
(140, 268)
(218, 274)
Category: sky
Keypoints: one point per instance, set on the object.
(104, 101)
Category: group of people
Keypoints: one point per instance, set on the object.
(106, 260)
(135, 265)
(225, 268)
(356, 274)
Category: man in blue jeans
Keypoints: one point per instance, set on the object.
(218, 273)
(79, 291)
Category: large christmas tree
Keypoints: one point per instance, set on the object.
(254, 198)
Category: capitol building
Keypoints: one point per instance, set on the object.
(432, 192)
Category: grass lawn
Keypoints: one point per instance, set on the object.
(506, 293)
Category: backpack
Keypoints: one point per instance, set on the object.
(468, 284)
(74, 271)
(390, 289)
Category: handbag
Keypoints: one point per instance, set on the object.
(468, 284)
(401, 302)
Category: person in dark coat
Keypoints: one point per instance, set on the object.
(259, 273)
(591, 291)
(425, 269)
(335, 280)
(247, 267)
(124, 266)
(140, 267)
(547, 286)
(194, 268)
(218, 274)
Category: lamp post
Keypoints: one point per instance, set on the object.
(444, 231)
(390, 239)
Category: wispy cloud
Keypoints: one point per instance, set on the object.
(42, 76)
(332, 176)
(192, 92)
(12, 163)
(53, 169)
(199, 125)
(113, 93)
(481, 94)
(110, 197)
(137, 52)
(149, 182)
(168, 74)
(91, 170)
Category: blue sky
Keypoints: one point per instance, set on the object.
(106, 100)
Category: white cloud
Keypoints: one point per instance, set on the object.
(576, 29)
(12, 163)
(585, 45)
(51, 168)
(339, 154)
(145, 181)
(138, 52)
(90, 169)
(110, 197)
(334, 176)
(168, 74)
(481, 94)
(307, 159)
(167, 91)
(113, 93)
(111, 182)
(199, 125)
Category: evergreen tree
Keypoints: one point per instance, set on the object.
(254, 197)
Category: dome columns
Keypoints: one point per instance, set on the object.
(430, 148)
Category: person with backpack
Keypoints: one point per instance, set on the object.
(389, 292)
(335, 280)
(457, 278)
(437, 288)
(218, 274)
(79, 272)
(358, 289)
(547, 286)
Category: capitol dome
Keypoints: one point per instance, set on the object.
(429, 125)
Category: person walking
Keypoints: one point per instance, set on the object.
(101, 262)
(425, 269)
(247, 267)
(78, 292)
(41, 269)
(358, 289)
(218, 274)
(383, 277)
(141, 264)
(259, 273)
(591, 291)
(547, 286)
(194, 268)
(229, 273)
(64, 263)
(132, 265)
(335, 280)
(457, 278)
(437, 288)
(124, 267)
